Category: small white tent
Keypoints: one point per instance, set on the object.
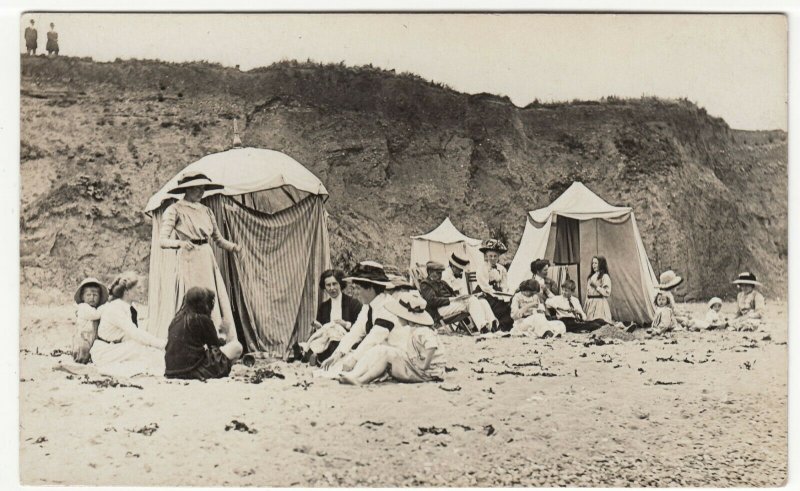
(275, 208)
(440, 243)
(578, 225)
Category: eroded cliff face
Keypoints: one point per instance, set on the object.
(397, 155)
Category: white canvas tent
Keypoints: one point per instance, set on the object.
(440, 243)
(578, 225)
(274, 208)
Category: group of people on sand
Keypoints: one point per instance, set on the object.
(388, 329)
(32, 40)
(201, 341)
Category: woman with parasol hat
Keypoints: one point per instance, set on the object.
(189, 226)
(749, 303)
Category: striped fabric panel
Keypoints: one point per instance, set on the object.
(273, 281)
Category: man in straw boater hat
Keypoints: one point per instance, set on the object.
(443, 301)
(189, 226)
(749, 303)
(455, 273)
(373, 324)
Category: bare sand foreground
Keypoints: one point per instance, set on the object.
(694, 409)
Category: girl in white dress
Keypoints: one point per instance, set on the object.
(528, 313)
(598, 290)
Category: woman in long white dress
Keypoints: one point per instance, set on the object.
(598, 290)
(189, 226)
(121, 348)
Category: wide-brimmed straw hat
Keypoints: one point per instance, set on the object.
(370, 272)
(669, 279)
(193, 181)
(411, 307)
(714, 301)
(458, 261)
(92, 282)
(399, 282)
(746, 279)
(493, 245)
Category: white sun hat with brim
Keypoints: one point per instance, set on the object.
(668, 280)
(411, 307)
(714, 301)
(746, 279)
(92, 282)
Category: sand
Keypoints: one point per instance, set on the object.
(692, 409)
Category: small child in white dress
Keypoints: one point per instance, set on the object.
(90, 295)
(712, 320)
(528, 314)
(664, 319)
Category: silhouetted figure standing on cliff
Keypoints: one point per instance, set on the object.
(31, 36)
(52, 41)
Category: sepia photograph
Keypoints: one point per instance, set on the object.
(406, 249)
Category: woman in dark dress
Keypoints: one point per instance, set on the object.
(335, 316)
(194, 350)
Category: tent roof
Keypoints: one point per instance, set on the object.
(245, 170)
(581, 203)
(446, 233)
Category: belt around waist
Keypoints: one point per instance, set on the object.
(595, 296)
(199, 241)
(108, 342)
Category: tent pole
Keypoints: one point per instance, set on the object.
(580, 279)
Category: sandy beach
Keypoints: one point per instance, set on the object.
(688, 409)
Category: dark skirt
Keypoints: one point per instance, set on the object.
(215, 365)
(52, 45)
(501, 310)
(574, 325)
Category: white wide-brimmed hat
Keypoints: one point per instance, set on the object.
(668, 280)
(714, 301)
(91, 282)
(411, 307)
(193, 181)
(746, 279)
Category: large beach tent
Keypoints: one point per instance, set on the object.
(275, 208)
(578, 225)
(438, 244)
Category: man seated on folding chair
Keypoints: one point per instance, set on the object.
(455, 274)
(444, 302)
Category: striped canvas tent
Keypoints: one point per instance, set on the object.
(275, 208)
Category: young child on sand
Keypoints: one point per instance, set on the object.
(528, 313)
(410, 354)
(90, 295)
(664, 319)
(568, 310)
(712, 320)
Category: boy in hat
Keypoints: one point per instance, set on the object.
(443, 301)
(31, 39)
(90, 295)
(373, 324)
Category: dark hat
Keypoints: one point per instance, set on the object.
(746, 279)
(370, 272)
(193, 181)
(434, 266)
(493, 245)
(458, 261)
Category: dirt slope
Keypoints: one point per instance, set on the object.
(397, 154)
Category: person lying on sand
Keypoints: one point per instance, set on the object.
(528, 313)
(90, 295)
(712, 320)
(194, 350)
(415, 355)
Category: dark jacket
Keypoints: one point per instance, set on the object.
(186, 342)
(436, 294)
(350, 309)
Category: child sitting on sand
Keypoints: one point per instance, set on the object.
(749, 304)
(528, 313)
(410, 354)
(664, 319)
(712, 319)
(90, 295)
(568, 310)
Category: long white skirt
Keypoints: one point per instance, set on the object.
(323, 337)
(198, 267)
(127, 359)
(537, 325)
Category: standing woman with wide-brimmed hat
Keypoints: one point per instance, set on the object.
(189, 226)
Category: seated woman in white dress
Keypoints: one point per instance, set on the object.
(121, 348)
(410, 354)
